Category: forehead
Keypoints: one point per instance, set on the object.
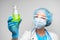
(40, 14)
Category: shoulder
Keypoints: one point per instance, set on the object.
(25, 36)
(53, 35)
(27, 33)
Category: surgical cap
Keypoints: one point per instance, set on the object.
(48, 15)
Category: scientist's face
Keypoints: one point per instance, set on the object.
(40, 15)
(40, 20)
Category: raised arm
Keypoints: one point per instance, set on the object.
(13, 28)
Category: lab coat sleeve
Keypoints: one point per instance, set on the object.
(54, 36)
(26, 35)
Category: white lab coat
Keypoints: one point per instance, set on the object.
(28, 35)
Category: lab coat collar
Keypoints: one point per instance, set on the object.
(33, 36)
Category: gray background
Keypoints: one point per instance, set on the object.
(26, 9)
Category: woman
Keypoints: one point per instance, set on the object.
(42, 18)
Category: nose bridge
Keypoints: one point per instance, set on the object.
(39, 19)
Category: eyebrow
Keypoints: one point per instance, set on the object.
(41, 15)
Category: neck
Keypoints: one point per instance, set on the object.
(41, 31)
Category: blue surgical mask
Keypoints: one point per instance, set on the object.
(39, 23)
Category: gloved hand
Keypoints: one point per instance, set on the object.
(13, 27)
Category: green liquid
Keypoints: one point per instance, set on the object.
(16, 17)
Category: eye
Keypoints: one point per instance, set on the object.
(43, 18)
(35, 16)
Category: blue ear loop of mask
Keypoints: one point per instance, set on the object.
(48, 15)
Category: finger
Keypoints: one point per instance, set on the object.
(13, 28)
(12, 23)
(10, 18)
